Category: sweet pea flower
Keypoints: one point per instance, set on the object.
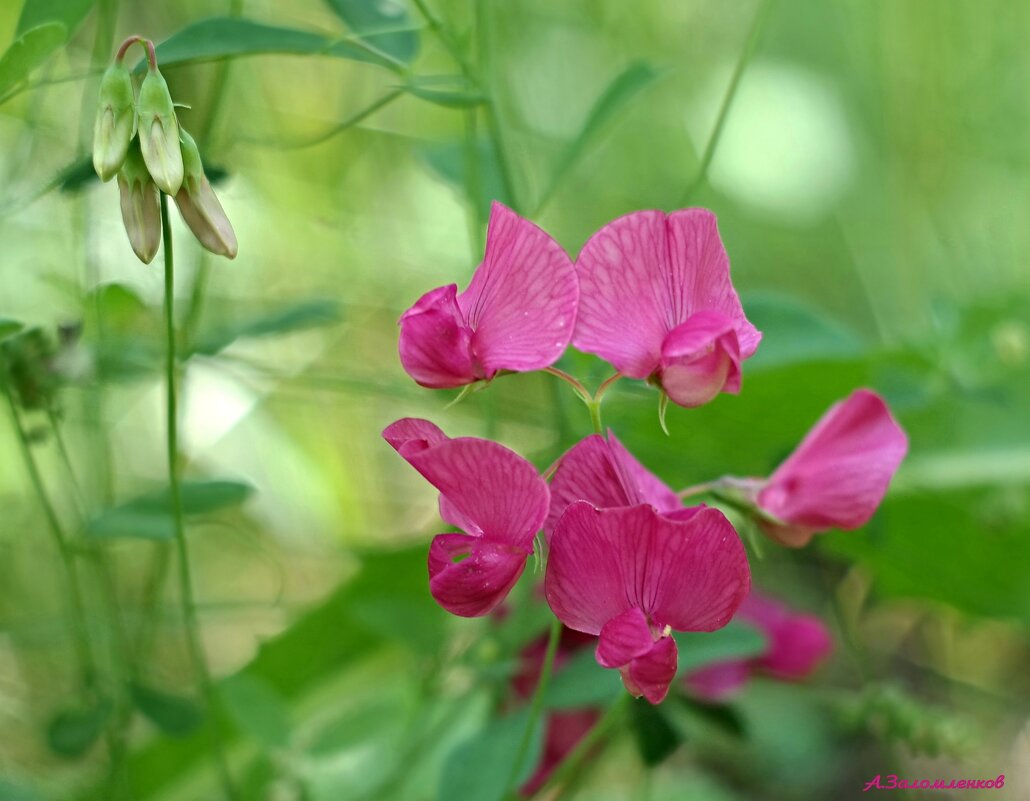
(657, 302)
(837, 476)
(633, 576)
(607, 475)
(517, 314)
(493, 495)
(796, 644)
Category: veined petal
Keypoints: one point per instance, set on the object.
(701, 271)
(490, 488)
(700, 359)
(607, 475)
(469, 576)
(839, 473)
(651, 674)
(410, 435)
(435, 343)
(688, 574)
(623, 639)
(624, 308)
(522, 300)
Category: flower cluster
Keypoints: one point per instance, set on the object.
(137, 136)
(627, 562)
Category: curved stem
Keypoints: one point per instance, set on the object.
(537, 704)
(595, 416)
(697, 489)
(571, 765)
(73, 587)
(189, 610)
(578, 388)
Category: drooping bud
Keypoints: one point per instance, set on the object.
(159, 133)
(116, 121)
(199, 206)
(141, 205)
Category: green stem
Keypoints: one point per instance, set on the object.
(80, 638)
(595, 416)
(493, 121)
(574, 761)
(186, 597)
(727, 101)
(577, 387)
(536, 706)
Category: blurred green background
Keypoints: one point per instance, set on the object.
(870, 167)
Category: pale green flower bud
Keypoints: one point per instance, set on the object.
(141, 205)
(199, 206)
(116, 122)
(159, 133)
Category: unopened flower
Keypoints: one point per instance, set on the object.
(493, 495)
(602, 472)
(199, 206)
(837, 476)
(657, 302)
(159, 133)
(141, 206)
(796, 644)
(116, 121)
(633, 576)
(517, 314)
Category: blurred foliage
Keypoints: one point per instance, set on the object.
(870, 176)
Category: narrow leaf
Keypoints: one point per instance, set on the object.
(27, 52)
(734, 641)
(225, 37)
(257, 709)
(582, 682)
(74, 731)
(385, 24)
(8, 327)
(288, 319)
(69, 13)
(656, 738)
(478, 769)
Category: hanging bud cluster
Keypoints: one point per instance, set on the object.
(137, 137)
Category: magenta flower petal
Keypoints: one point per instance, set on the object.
(839, 473)
(436, 343)
(469, 576)
(624, 638)
(651, 674)
(798, 643)
(611, 569)
(700, 359)
(522, 300)
(607, 475)
(493, 494)
(643, 276)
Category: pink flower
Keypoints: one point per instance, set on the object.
(518, 312)
(494, 495)
(633, 577)
(796, 645)
(838, 475)
(657, 302)
(607, 475)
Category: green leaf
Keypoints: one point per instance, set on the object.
(150, 516)
(582, 682)
(173, 714)
(734, 641)
(448, 91)
(74, 731)
(297, 317)
(27, 52)
(9, 327)
(384, 24)
(78, 175)
(478, 769)
(227, 37)
(69, 13)
(656, 738)
(620, 92)
(257, 709)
